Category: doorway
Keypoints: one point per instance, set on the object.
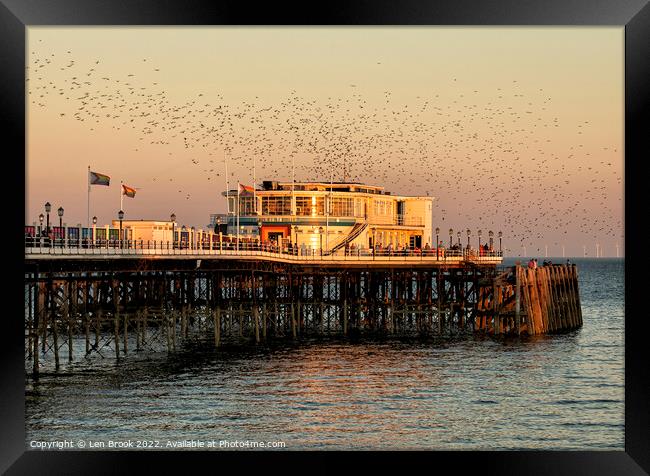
(276, 237)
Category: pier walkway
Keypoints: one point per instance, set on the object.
(368, 258)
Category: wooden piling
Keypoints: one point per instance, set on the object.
(98, 322)
(518, 299)
(173, 316)
(577, 293)
(264, 320)
(217, 326)
(145, 323)
(39, 303)
(116, 337)
(126, 333)
(55, 333)
(256, 319)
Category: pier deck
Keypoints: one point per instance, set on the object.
(124, 299)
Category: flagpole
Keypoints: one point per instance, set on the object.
(328, 210)
(121, 197)
(293, 186)
(88, 205)
(227, 184)
(254, 196)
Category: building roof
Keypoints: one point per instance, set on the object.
(353, 187)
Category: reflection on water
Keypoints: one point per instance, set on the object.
(556, 392)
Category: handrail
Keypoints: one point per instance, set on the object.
(116, 248)
(356, 231)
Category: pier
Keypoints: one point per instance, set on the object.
(130, 298)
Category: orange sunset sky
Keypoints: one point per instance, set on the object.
(511, 129)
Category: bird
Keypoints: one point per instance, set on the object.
(497, 153)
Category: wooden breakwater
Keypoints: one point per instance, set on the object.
(125, 305)
(531, 301)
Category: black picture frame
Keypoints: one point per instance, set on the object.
(634, 15)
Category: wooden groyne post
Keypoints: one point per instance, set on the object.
(549, 297)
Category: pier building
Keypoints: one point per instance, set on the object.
(328, 216)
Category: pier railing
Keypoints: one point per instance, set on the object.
(115, 248)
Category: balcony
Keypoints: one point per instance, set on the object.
(409, 221)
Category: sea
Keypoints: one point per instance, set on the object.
(556, 392)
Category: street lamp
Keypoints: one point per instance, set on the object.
(172, 217)
(479, 239)
(192, 238)
(295, 230)
(451, 237)
(259, 230)
(40, 226)
(48, 207)
(374, 241)
(458, 234)
(491, 234)
(60, 212)
(94, 230)
(120, 215)
(320, 232)
(437, 233)
(500, 235)
(469, 233)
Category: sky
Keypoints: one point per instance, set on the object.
(518, 130)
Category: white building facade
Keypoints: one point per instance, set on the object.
(328, 217)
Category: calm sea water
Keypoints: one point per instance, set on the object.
(553, 392)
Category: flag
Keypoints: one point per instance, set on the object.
(128, 191)
(99, 179)
(245, 189)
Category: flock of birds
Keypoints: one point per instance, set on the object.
(487, 156)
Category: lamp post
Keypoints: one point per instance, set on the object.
(479, 240)
(48, 207)
(180, 238)
(259, 231)
(437, 242)
(172, 217)
(320, 232)
(491, 235)
(40, 226)
(94, 231)
(469, 234)
(120, 216)
(192, 238)
(295, 230)
(500, 235)
(60, 213)
(374, 241)
(451, 237)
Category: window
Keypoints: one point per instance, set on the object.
(342, 207)
(276, 205)
(246, 205)
(359, 207)
(310, 206)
